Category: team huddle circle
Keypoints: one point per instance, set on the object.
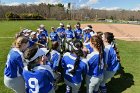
(37, 61)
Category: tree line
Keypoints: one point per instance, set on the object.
(59, 12)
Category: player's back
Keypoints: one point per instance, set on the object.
(78, 33)
(93, 62)
(111, 59)
(14, 63)
(39, 80)
(69, 34)
(68, 62)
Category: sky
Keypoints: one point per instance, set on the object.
(97, 4)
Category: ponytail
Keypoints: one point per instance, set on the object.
(77, 62)
(101, 52)
(98, 43)
(116, 49)
(32, 64)
(77, 45)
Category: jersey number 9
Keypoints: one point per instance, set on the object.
(33, 83)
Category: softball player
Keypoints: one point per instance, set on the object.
(38, 76)
(42, 39)
(61, 30)
(78, 32)
(14, 66)
(74, 66)
(43, 35)
(87, 35)
(88, 47)
(55, 56)
(54, 62)
(69, 37)
(111, 60)
(33, 39)
(96, 65)
(43, 30)
(53, 35)
(61, 33)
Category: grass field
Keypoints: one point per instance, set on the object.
(126, 81)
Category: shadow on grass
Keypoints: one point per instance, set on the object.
(120, 84)
(61, 89)
(115, 85)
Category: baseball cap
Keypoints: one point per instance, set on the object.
(78, 25)
(42, 26)
(61, 24)
(87, 28)
(25, 30)
(26, 34)
(33, 33)
(68, 25)
(39, 29)
(28, 31)
(40, 52)
(93, 33)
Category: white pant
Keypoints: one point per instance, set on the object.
(69, 47)
(52, 91)
(17, 84)
(107, 75)
(75, 87)
(61, 43)
(93, 83)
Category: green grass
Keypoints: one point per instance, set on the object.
(127, 82)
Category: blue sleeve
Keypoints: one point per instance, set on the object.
(104, 56)
(55, 60)
(26, 88)
(91, 62)
(89, 36)
(19, 62)
(46, 32)
(31, 43)
(63, 62)
(85, 69)
(49, 75)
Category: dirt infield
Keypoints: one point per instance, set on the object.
(127, 32)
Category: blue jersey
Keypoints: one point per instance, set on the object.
(35, 40)
(69, 34)
(61, 32)
(111, 59)
(78, 33)
(45, 32)
(32, 42)
(55, 58)
(14, 65)
(39, 80)
(54, 36)
(87, 35)
(42, 39)
(87, 45)
(68, 61)
(93, 62)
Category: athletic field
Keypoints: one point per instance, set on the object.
(127, 32)
(127, 80)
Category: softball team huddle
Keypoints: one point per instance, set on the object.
(33, 66)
